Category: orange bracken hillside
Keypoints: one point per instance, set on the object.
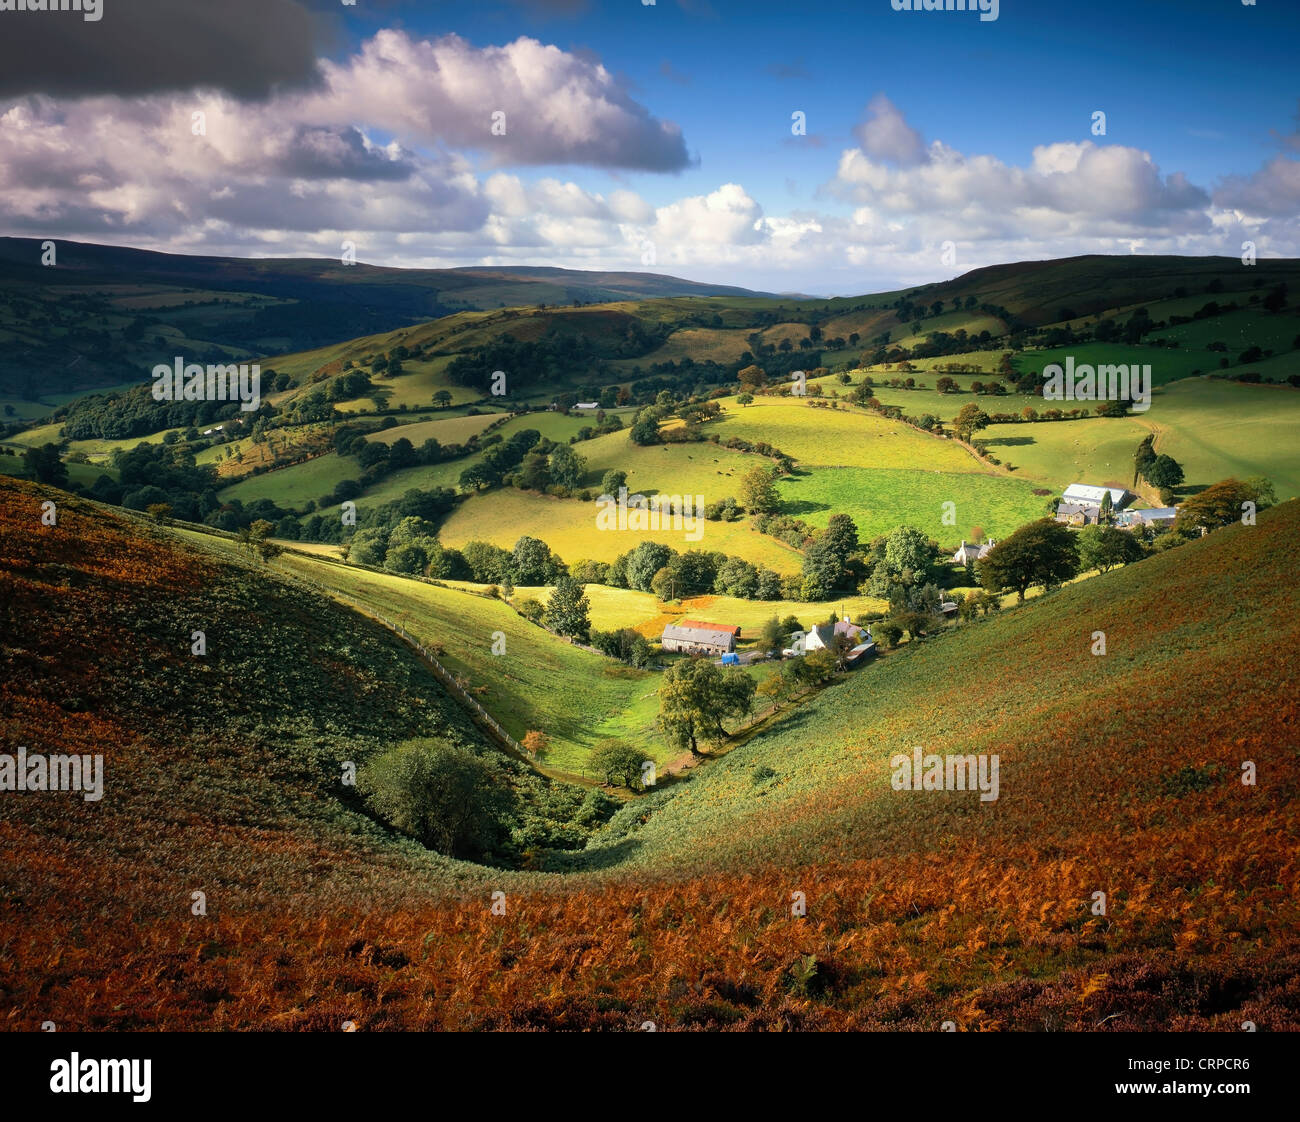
(1121, 777)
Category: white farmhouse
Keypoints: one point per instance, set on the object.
(969, 551)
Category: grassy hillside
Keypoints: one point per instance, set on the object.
(1213, 428)
(517, 687)
(881, 499)
(853, 461)
(671, 469)
(445, 430)
(297, 483)
(1169, 656)
(245, 307)
(1166, 365)
(1119, 774)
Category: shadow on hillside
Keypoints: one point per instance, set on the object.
(607, 857)
(803, 506)
(1010, 441)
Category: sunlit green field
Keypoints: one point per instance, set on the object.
(35, 437)
(841, 437)
(1216, 429)
(95, 449)
(1098, 450)
(988, 362)
(414, 387)
(568, 526)
(296, 484)
(1213, 428)
(445, 430)
(675, 469)
(879, 500)
(945, 406)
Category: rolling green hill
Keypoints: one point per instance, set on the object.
(516, 686)
(104, 315)
(880, 470)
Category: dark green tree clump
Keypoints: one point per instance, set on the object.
(443, 796)
(1041, 553)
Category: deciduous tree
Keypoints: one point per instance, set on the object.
(567, 609)
(1041, 553)
(696, 697)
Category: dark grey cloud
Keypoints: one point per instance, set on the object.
(247, 48)
(426, 204)
(338, 153)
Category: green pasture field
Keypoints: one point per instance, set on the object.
(988, 362)
(445, 430)
(1214, 428)
(1096, 450)
(700, 468)
(841, 437)
(414, 387)
(1245, 327)
(945, 406)
(881, 499)
(568, 526)
(1168, 364)
(294, 485)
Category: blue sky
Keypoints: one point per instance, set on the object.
(659, 136)
(1201, 84)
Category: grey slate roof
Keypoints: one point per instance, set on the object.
(701, 635)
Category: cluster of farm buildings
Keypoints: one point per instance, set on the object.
(717, 640)
(1084, 505)
(1080, 505)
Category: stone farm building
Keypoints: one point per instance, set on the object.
(1078, 514)
(695, 637)
(1081, 504)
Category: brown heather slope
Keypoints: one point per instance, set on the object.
(920, 910)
